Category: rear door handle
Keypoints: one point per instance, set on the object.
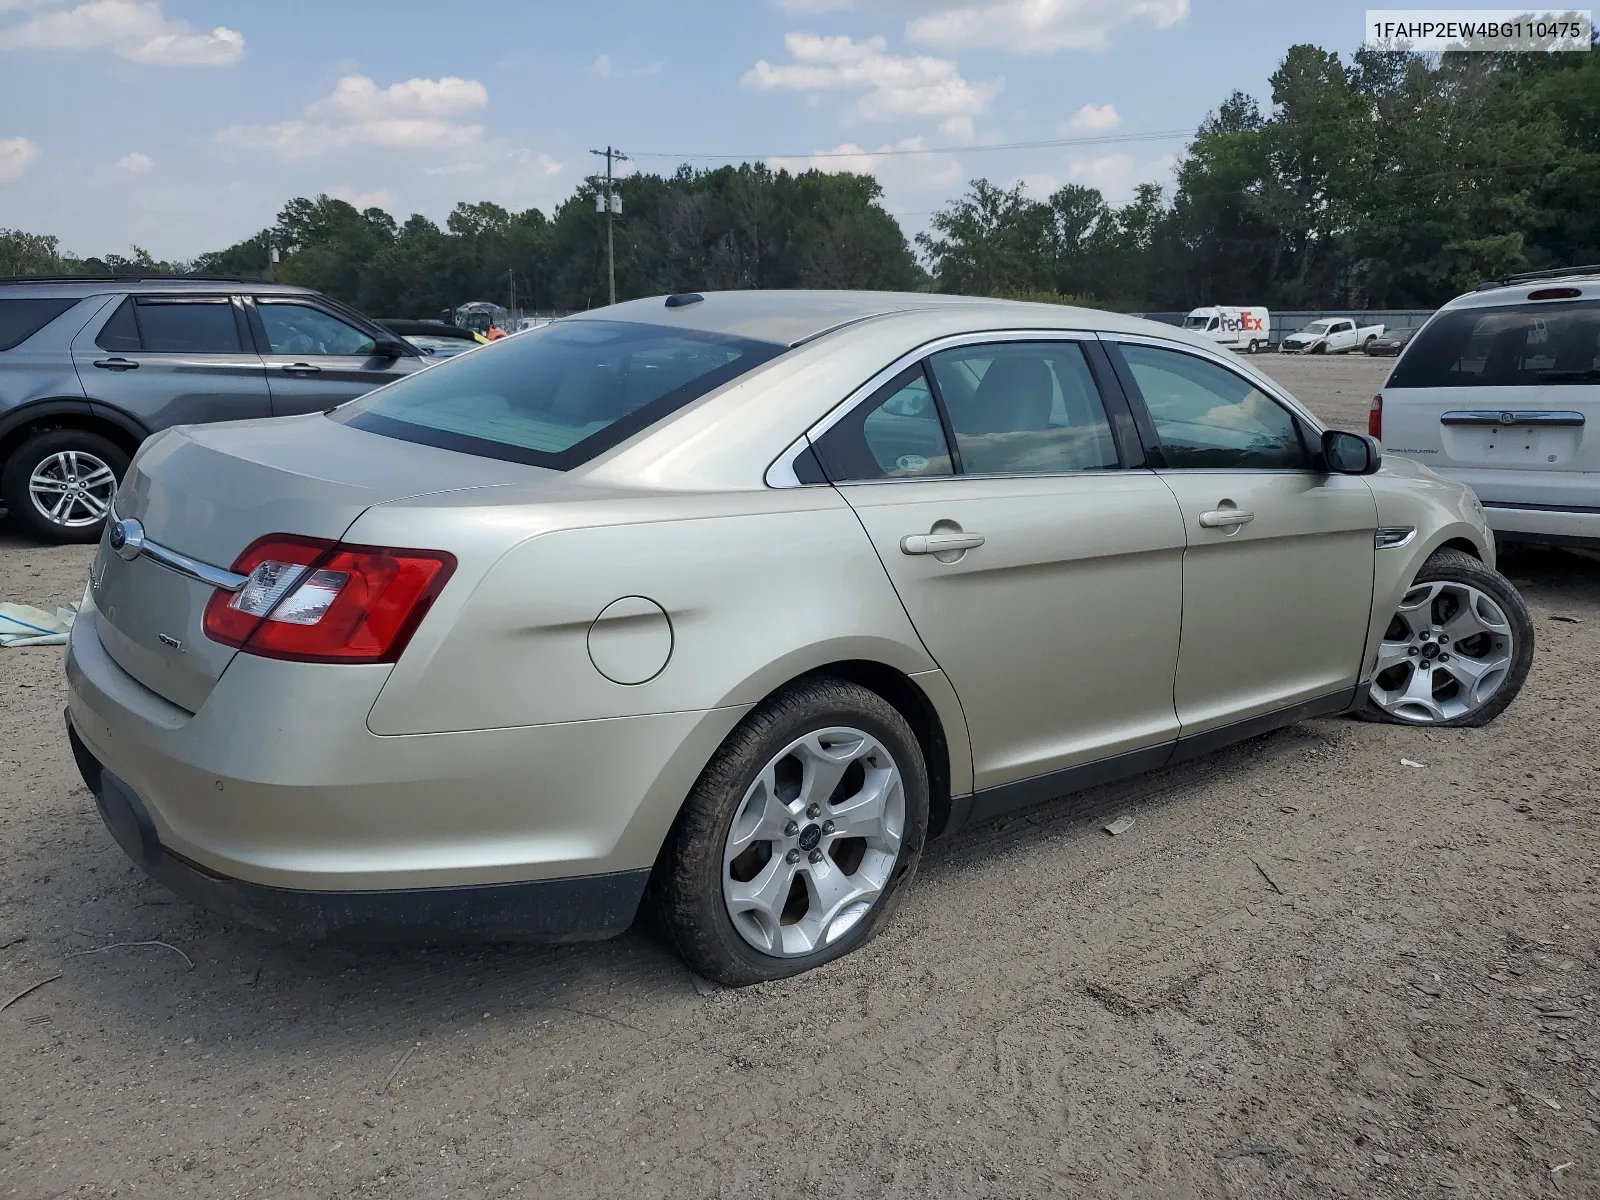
(939, 543)
(300, 369)
(1221, 518)
(116, 364)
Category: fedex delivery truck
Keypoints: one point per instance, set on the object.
(1247, 329)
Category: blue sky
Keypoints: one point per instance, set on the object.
(183, 125)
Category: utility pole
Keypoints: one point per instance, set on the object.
(610, 203)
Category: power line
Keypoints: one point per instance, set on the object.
(1158, 135)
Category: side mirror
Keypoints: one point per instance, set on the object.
(1350, 453)
(391, 348)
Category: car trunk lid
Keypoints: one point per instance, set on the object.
(207, 492)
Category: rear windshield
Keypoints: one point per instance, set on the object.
(1519, 345)
(557, 396)
(21, 319)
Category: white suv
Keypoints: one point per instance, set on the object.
(1501, 390)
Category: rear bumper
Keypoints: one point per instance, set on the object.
(275, 803)
(549, 910)
(1556, 526)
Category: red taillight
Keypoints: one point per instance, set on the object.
(1375, 417)
(318, 601)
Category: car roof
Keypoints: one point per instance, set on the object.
(1516, 291)
(792, 317)
(99, 285)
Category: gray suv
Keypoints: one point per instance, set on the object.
(91, 366)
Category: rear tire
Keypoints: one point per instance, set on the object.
(1255, 347)
(1423, 678)
(58, 485)
(822, 894)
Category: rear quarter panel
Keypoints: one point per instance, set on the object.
(40, 368)
(757, 587)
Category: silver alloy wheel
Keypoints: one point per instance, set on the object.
(72, 488)
(814, 842)
(1446, 651)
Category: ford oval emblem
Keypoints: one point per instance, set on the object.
(1508, 418)
(126, 538)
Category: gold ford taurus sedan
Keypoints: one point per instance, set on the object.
(741, 598)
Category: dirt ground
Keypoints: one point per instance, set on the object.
(1308, 969)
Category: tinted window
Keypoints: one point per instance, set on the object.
(894, 435)
(1024, 409)
(1207, 416)
(1524, 344)
(21, 319)
(301, 329)
(121, 332)
(556, 396)
(186, 327)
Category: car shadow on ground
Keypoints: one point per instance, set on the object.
(253, 989)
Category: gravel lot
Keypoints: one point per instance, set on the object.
(1307, 970)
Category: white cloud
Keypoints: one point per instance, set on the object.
(1040, 26)
(308, 139)
(523, 164)
(1095, 118)
(136, 30)
(135, 164)
(607, 68)
(902, 167)
(16, 156)
(893, 86)
(377, 198)
(358, 98)
(1116, 175)
(416, 114)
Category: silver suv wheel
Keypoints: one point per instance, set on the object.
(72, 489)
(814, 842)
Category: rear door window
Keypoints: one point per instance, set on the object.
(1028, 408)
(557, 396)
(1514, 346)
(21, 319)
(158, 325)
(896, 434)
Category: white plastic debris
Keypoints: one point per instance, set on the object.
(1407, 762)
(1121, 825)
(24, 625)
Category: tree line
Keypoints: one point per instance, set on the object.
(1387, 180)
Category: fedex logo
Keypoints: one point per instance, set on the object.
(1241, 323)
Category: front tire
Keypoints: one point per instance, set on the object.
(58, 485)
(1456, 652)
(799, 839)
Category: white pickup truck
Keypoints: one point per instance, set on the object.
(1330, 335)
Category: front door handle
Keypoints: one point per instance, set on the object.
(939, 543)
(1221, 518)
(116, 364)
(300, 369)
